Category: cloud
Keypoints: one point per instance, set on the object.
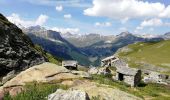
(66, 3)
(59, 8)
(105, 24)
(16, 19)
(155, 22)
(152, 22)
(41, 20)
(65, 30)
(127, 9)
(67, 16)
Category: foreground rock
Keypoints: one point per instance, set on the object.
(103, 92)
(16, 50)
(68, 95)
(45, 72)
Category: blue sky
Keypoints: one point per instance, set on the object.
(91, 16)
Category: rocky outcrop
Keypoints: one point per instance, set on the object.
(16, 49)
(44, 73)
(68, 95)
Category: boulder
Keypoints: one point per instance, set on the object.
(46, 72)
(68, 95)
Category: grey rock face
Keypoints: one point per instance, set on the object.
(68, 95)
(16, 50)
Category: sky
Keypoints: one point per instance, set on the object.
(106, 17)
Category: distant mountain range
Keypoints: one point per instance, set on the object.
(88, 49)
(52, 42)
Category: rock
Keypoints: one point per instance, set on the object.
(41, 73)
(9, 76)
(93, 70)
(46, 72)
(68, 95)
(1, 93)
(155, 77)
(104, 71)
(100, 71)
(104, 92)
(81, 73)
(16, 49)
(15, 90)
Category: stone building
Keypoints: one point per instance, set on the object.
(128, 75)
(108, 61)
(70, 64)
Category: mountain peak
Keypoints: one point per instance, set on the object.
(123, 34)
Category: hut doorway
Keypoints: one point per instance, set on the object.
(121, 77)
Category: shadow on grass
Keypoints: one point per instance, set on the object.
(142, 84)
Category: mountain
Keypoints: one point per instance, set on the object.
(166, 36)
(17, 52)
(103, 49)
(87, 39)
(87, 49)
(53, 43)
(148, 55)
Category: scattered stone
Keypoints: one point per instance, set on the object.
(100, 71)
(68, 95)
(155, 77)
(93, 70)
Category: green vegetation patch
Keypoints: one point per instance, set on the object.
(154, 53)
(36, 91)
(155, 91)
(51, 58)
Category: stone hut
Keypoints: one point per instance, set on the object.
(128, 75)
(70, 64)
(108, 61)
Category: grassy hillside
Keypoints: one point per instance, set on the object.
(152, 54)
(50, 57)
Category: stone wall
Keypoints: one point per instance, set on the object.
(129, 80)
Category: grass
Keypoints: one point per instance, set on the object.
(51, 58)
(155, 91)
(36, 91)
(82, 59)
(155, 53)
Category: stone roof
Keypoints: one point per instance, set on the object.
(127, 71)
(108, 58)
(69, 63)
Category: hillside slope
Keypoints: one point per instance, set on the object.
(153, 55)
(17, 52)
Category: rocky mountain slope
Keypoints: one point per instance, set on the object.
(148, 55)
(17, 52)
(52, 42)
